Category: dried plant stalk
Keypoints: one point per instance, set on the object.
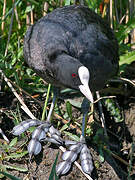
(28, 17)
(111, 14)
(31, 17)
(131, 12)
(126, 21)
(3, 16)
(45, 8)
(17, 17)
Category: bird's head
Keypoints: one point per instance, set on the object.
(71, 73)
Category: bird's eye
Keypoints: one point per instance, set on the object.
(74, 75)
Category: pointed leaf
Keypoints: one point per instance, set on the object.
(69, 109)
(53, 171)
(9, 176)
(72, 136)
(13, 142)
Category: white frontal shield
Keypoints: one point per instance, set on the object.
(84, 78)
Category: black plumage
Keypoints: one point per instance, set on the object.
(68, 38)
(70, 47)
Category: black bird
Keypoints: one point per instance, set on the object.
(72, 47)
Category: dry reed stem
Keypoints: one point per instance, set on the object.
(45, 8)
(111, 14)
(28, 17)
(31, 17)
(3, 16)
(17, 17)
(126, 21)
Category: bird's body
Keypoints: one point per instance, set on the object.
(68, 38)
(70, 47)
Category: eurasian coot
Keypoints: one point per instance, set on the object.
(71, 47)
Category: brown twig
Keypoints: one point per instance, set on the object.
(22, 90)
(127, 80)
(121, 160)
(104, 97)
(17, 96)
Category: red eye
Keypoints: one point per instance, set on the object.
(74, 75)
